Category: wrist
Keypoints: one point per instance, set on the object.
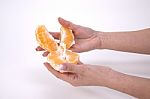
(110, 78)
(103, 40)
(106, 76)
(115, 79)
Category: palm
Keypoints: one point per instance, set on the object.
(85, 39)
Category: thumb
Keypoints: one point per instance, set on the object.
(68, 67)
(67, 24)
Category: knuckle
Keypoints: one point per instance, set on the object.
(68, 24)
(78, 47)
(69, 68)
(73, 78)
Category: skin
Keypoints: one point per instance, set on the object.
(87, 39)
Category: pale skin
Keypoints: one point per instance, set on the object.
(87, 39)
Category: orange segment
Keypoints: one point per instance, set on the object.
(45, 40)
(66, 37)
(55, 60)
(58, 54)
(72, 57)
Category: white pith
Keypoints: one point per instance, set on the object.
(61, 48)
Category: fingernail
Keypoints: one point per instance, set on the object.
(37, 49)
(45, 54)
(62, 67)
(59, 18)
(45, 63)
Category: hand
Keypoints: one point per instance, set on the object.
(86, 39)
(82, 74)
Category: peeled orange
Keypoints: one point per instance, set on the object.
(45, 40)
(59, 53)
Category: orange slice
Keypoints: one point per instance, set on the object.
(72, 57)
(67, 37)
(59, 54)
(56, 58)
(45, 40)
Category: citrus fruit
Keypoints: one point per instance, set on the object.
(45, 40)
(59, 53)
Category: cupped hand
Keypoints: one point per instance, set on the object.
(86, 39)
(82, 74)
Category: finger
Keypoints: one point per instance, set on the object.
(66, 76)
(67, 24)
(39, 49)
(75, 48)
(68, 67)
(45, 54)
(56, 35)
(54, 72)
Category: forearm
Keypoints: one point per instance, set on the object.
(135, 86)
(134, 41)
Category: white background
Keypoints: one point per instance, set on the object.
(22, 74)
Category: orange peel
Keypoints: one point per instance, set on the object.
(59, 53)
